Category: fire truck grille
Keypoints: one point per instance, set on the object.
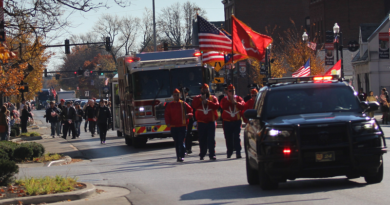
(159, 109)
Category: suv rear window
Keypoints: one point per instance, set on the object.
(310, 100)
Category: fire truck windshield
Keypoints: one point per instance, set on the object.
(187, 77)
(147, 84)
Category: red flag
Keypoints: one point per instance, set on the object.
(248, 42)
(335, 70)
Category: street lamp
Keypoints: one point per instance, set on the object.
(305, 37)
(268, 60)
(339, 45)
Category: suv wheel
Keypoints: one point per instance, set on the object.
(128, 140)
(377, 178)
(266, 183)
(251, 174)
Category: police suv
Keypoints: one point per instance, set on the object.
(311, 127)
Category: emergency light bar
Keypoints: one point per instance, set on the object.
(302, 79)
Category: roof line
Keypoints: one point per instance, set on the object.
(380, 26)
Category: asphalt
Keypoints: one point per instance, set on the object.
(154, 177)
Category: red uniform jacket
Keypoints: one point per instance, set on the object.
(174, 114)
(248, 105)
(206, 113)
(231, 112)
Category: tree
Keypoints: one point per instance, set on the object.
(176, 22)
(128, 31)
(147, 31)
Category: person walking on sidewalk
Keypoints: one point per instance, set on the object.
(90, 115)
(206, 106)
(3, 123)
(232, 106)
(79, 118)
(68, 120)
(24, 118)
(52, 115)
(86, 120)
(62, 106)
(177, 114)
(250, 103)
(103, 116)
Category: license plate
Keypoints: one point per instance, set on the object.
(325, 156)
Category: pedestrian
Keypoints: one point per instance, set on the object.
(59, 120)
(188, 140)
(91, 116)
(103, 116)
(79, 118)
(206, 106)
(86, 121)
(250, 103)
(52, 115)
(24, 118)
(62, 107)
(3, 123)
(232, 106)
(7, 114)
(362, 95)
(68, 120)
(384, 102)
(177, 114)
(371, 98)
(96, 106)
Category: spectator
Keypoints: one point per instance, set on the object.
(52, 115)
(3, 123)
(79, 118)
(371, 98)
(384, 101)
(362, 95)
(24, 118)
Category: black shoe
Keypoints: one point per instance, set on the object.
(180, 160)
(229, 156)
(213, 158)
(189, 152)
(93, 135)
(238, 156)
(53, 136)
(73, 137)
(201, 158)
(86, 131)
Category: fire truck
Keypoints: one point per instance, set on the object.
(144, 86)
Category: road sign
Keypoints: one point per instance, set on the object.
(86, 73)
(219, 80)
(102, 76)
(86, 93)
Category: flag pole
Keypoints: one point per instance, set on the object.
(232, 53)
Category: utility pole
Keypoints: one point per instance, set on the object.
(154, 28)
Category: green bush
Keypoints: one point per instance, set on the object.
(8, 148)
(38, 149)
(7, 171)
(4, 155)
(23, 152)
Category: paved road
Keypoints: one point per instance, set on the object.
(154, 177)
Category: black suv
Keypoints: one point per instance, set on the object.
(311, 127)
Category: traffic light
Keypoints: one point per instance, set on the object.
(165, 46)
(329, 36)
(57, 76)
(108, 44)
(67, 47)
(75, 74)
(45, 73)
(91, 72)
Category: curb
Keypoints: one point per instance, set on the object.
(26, 139)
(66, 160)
(74, 195)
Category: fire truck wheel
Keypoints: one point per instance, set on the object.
(139, 142)
(128, 140)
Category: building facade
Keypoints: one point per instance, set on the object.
(372, 62)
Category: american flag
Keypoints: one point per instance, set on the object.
(212, 56)
(211, 38)
(53, 91)
(336, 39)
(312, 45)
(106, 81)
(303, 71)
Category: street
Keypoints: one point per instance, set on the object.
(154, 177)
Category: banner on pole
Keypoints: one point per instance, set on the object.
(384, 45)
(329, 54)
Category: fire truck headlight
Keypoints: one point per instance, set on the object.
(141, 109)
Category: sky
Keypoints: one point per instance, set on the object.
(83, 22)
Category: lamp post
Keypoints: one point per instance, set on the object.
(268, 60)
(154, 28)
(339, 46)
(305, 37)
